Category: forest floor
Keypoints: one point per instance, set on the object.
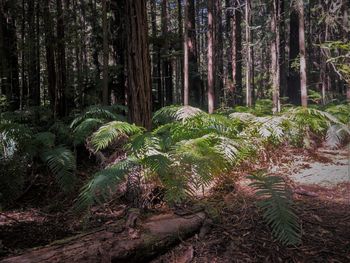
(320, 181)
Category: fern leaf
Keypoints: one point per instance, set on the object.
(61, 162)
(111, 131)
(277, 208)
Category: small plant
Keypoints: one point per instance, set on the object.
(276, 204)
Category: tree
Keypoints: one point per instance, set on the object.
(249, 60)
(300, 7)
(138, 63)
(105, 90)
(211, 54)
(275, 67)
(186, 58)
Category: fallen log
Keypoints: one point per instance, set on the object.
(110, 244)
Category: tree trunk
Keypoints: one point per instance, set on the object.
(248, 19)
(167, 68)
(211, 66)
(237, 54)
(302, 49)
(194, 78)
(186, 58)
(180, 73)
(293, 91)
(61, 62)
(275, 67)
(112, 244)
(138, 63)
(105, 91)
(219, 87)
(282, 48)
(50, 55)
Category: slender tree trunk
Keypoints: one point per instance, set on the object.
(138, 63)
(211, 95)
(219, 73)
(293, 75)
(50, 55)
(186, 59)
(194, 78)
(167, 68)
(180, 62)
(275, 67)
(302, 49)
(248, 20)
(237, 54)
(61, 61)
(105, 91)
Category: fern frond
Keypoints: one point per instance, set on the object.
(336, 135)
(98, 112)
(110, 132)
(277, 208)
(61, 162)
(175, 113)
(85, 129)
(104, 183)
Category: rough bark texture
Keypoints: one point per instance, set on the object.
(249, 61)
(138, 63)
(211, 94)
(275, 67)
(105, 91)
(302, 49)
(186, 67)
(112, 244)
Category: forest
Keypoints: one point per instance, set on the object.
(174, 131)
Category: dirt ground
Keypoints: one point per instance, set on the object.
(238, 232)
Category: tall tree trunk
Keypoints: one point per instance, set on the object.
(219, 73)
(282, 48)
(186, 58)
(167, 68)
(34, 84)
(105, 91)
(180, 62)
(9, 54)
(275, 67)
(237, 54)
(248, 19)
(194, 78)
(211, 66)
(50, 55)
(138, 63)
(293, 91)
(61, 61)
(302, 49)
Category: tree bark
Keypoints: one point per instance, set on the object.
(248, 19)
(112, 244)
(275, 67)
(138, 63)
(186, 58)
(105, 90)
(167, 67)
(302, 49)
(219, 86)
(211, 54)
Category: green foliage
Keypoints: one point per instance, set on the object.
(276, 204)
(112, 131)
(61, 162)
(175, 113)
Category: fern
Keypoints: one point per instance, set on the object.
(336, 135)
(277, 208)
(104, 183)
(110, 132)
(61, 162)
(175, 113)
(85, 128)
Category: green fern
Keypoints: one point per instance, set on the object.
(277, 209)
(104, 183)
(175, 113)
(85, 128)
(61, 162)
(112, 131)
